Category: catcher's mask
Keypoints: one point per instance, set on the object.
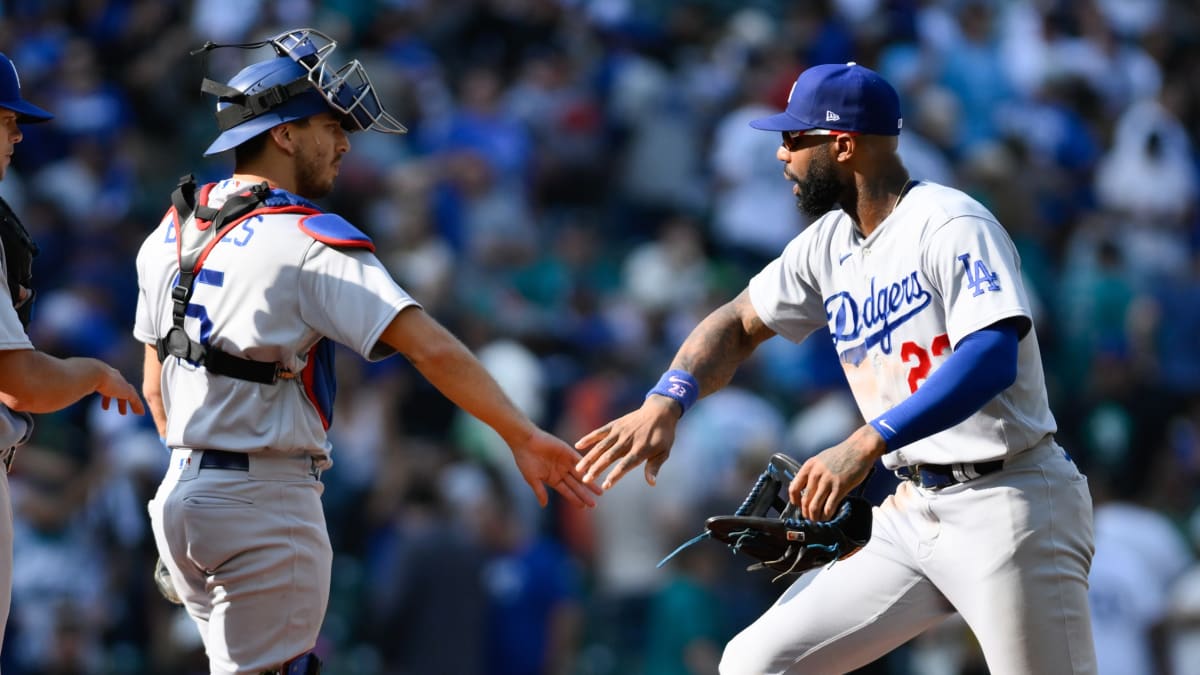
(299, 82)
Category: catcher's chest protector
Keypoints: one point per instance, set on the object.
(199, 228)
(19, 251)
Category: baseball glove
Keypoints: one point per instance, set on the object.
(769, 529)
(162, 579)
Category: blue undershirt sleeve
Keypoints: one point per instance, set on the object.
(982, 365)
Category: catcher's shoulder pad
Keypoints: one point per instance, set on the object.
(333, 230)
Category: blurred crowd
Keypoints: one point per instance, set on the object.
(578, 188)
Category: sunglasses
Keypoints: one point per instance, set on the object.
(792, 139)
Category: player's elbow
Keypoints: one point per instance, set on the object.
(19, 388)
(1006, 375)
(992, 355)
(11, 402)
(152, 390)
(29, 401)
(1002, 367)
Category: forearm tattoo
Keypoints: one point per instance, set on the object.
(715, 349)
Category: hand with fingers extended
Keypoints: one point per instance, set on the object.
(544, 460)
(826, 478)
(114, 387)
(644, 435)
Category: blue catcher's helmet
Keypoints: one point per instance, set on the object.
(262, 77)
(298, 83)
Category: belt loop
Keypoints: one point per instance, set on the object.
(959, 471)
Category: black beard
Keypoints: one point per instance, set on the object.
(307, 181)
(820, 189)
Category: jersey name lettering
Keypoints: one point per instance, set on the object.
(978, 275)
(882, 311)
(240, 235)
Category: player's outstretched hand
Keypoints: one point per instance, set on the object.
(644, 435)
(544, 460)
(114, 386)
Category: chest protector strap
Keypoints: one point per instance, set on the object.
(194, 243)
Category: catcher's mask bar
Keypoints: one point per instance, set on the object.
(346, 89)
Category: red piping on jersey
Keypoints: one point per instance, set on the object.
(202, 198)
(178, 238)
(267, 210)
(310, 391)
(202, 224)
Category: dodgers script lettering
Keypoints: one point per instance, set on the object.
(873, 318)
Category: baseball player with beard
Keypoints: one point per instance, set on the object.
(921, 290)
(244, 285)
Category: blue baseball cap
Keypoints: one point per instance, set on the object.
(839, 97)
(10, 95)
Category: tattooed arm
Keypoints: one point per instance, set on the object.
(711, 353)
(722, 341)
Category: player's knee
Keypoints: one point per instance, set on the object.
(742, 658)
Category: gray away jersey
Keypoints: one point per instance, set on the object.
(268, 292)
(937, 269)
(15, 427)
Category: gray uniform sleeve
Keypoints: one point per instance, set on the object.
(12, 333)
(974, 265)
(143, 325)
(15, 427)
(785, 293)
(350, 297)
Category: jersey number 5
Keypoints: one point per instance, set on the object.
(911, 350)
(196, 310)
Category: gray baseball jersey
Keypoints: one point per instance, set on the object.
(269, 291)
(15, 427)
(1009, 551)
(896, 302)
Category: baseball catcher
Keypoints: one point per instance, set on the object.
(769, 529)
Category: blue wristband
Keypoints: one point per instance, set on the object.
(678, 385)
